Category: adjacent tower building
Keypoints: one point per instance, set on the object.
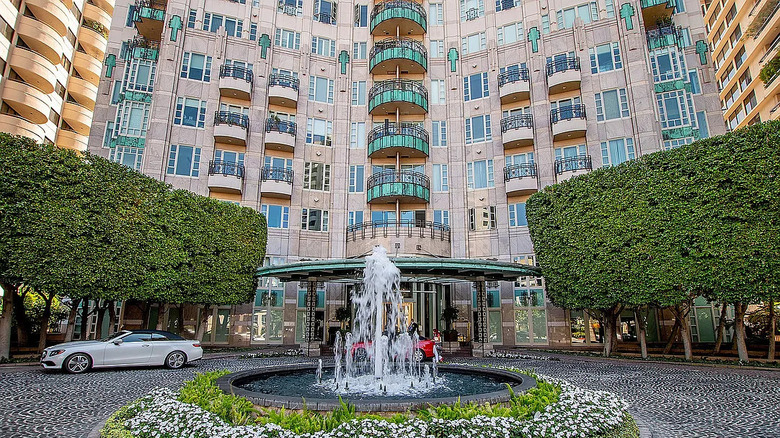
(420, 126)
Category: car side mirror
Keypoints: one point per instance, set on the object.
(117, 341)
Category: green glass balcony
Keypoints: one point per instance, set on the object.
(664, 36)
(408, 17)
(409, 140)
(654, 11)
(402, 95)
(390, 186)
(149, 18)
(392, 54)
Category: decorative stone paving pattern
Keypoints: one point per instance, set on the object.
(670, 400)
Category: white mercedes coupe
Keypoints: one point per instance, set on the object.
(127, 348)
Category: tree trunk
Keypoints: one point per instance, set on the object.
(772, 331)
(9, 290)
(146, 310)
(74, 311)
(22, 323)
(609, 317)
(163, 309)
(681, 313)
(180, 317)
(84, 320)
(739, 330)
(111, 317)
(672, 336)
(204, 320)
(44, 322)
(101, 316)
(641, 329)
(721, 328)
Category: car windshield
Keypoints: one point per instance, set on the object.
(110, 338)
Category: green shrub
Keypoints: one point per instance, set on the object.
(115, 425)
(769, 71)
(628, 429)
(203, 392)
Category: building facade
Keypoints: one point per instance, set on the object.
(51, 60)
(420, 126)
(744, 39)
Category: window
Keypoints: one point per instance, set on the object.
(278, 163)
(196, 66)
(478, 129)
(437, 49)
(290, 7)
(475, 87)
(473, 43)
(673, 109)
(316, 176)
(132, 118)
(677, 142)
(108, 135)
(440, 178)
(529, 303)
(212, 22)
(314, 220)
(693, 77)
(319, 131)
(356, 179)
(361, 15)
(517, 159)
(321, 89)
(232, 157)
(184, 161)
(323, 46)
(287, 39)
(471, 9)
(545, 24)
(610, 5)
(359, 50)
(480, 174)
(611, 104)
(482, 218)
(355, 218)
(438, 92)
(441, 217)
(117, 92)
(359, 93)
(587, 12)
(494, 324)
(668, 64)
(436, 14)
(439, 133)
(128, 21)
(701, 116)
(614, 152)
(325, 11)
(503, 5)
(191, 18)
(570, 151)
(253, 32)
(686, 37)
(190, 112)
(511, 33)
(277, 216)
(605, 57)
(357, 135)
(127, 156)
(517, 215)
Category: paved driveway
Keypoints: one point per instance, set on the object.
(669, 400)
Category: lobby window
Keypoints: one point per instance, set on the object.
(319, 131)
(441, 217)
(190, 112)
(132, 118)
(277, 216)
(503, 5)
(359, 93)
(475, 86)
(473, 43)
(287, 38)
(127, 156)
(184, 161)
(587, 12)
(314, 220)
(478, 129)
(605, 57)
(356, 179)
(439, 133)
(611, 104)
(321, 89)
(325, 11)
(436, 14)
(693, 77)
(672, 108)
(357, 135)
(291, 7)
(316, 176)
(529, 304)
(482, 218)
(359, 50)
(196, 67)
(471, 9)
(440, 178)
(480, 174)
(668, 64)
(511, 33)
(139, 75)
(361, 15)
(355, 218)
(438, 92)
(212, 22)
(323, 46)
(517, 215)
(614, 152)
(493, 298)
(437, 49)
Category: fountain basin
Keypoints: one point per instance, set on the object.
(483, 382)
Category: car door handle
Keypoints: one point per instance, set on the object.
(145, 345)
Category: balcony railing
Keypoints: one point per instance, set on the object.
(650, 3)
(282, 174)
(511, 76)
(567, 113)
(151, 10)
(398, 183)
(398, 90)
(394, 48)
(233, 71)
(288, 8)
(571, 164)
(283, 126)
(390, 135)
(283, 80)
(472, 14)
(517, 121)
(141, 48)
(409, 5)
(518, 171)
(756, 30)
(95, 27)
(559, 65)
(231, 119)
(409, 228)
(226, 168)
(664, 35)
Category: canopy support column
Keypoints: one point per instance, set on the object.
(481, 340)
(312, 346)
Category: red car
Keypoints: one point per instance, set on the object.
(423, 351)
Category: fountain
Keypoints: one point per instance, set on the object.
(375, 367)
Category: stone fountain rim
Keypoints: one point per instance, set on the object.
(227, 385)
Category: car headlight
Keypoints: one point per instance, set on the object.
(55, 352)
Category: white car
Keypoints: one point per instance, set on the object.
(125, 348)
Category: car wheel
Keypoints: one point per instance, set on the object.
(418, 355)
(175, 360)
(77, 363)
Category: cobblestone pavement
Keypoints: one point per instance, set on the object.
(670, 400)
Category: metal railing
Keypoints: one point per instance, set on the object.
(518, 171)
(567, 113)
(570, 164)
(283, 126)
(769, 17)
(396, 228)
(398, 43)
(391, 128)
(233, 71)
(559, 65)
(283, 80)
(226, 168)
(283, 174)
(517, 121)
(403, 4)
(325, 18)
(472, 14)
(398, 176)
(288, 8)
(511, 76)
(231, 119)
(397, 85)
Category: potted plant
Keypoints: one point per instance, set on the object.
(449, 315)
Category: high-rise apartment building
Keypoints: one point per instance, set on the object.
(51, 60)
(420, 126)
(744, 40)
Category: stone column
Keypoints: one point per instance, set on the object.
(481, 342)
(312, 346)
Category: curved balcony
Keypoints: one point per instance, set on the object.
(563, 75)
(403, 95)
(226, 177)
(410, 141)
(78, 117)
(93, 37)
(84, 92)
(16, 125)
(29, 102)
(53, 13)
(95, 14)
(280, 135)
(517, 130)
(41, 38)
(657, 10)
(88, 67)
(106, 5)
(276, 182)
(406, 15)
(514, 86)
(235, 82)
(390, 186)
(34, 68)
(231, 128)
(520, 179)
(392, 53)
(283, 90)
(149, 18)
(568, 122)
(568, 167)
(72, 140)
(419, 238)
